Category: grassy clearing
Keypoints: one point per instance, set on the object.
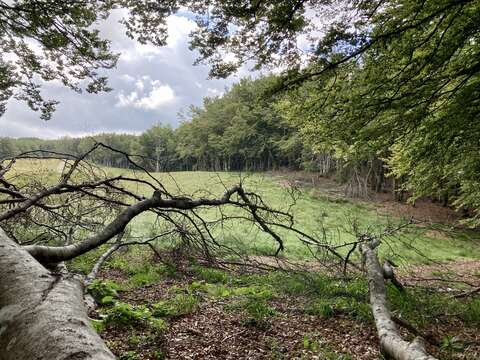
(316, 213)
(137, 329)
(328, 218)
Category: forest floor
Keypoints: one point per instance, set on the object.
(288, 321)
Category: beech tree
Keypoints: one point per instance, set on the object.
(45, 224)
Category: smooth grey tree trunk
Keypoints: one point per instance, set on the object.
(42, 315)
(391, 342)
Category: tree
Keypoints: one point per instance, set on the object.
(158, 148)
(7, 148)
(59, 40)
(42, 309)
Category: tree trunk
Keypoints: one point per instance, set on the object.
(391, 342)
(42, 314)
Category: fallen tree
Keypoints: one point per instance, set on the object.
(391, 342)
(42, 311)
(42, 315)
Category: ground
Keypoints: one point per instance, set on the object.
(181, 310)
(301, 325)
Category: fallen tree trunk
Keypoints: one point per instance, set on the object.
(42, 315)
(391, 343)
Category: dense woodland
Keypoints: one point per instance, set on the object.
(320, 127)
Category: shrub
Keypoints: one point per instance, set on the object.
(123, 314)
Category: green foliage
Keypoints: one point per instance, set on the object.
(210, 275)
(257, 311)
(451, 344)
(123, 314)
(320, 308)
(159, 355)
(180, 305)
(421, 307)
(98, 325)
(104, 291)
(130, 355)
(147, 277)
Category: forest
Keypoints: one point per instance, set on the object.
(331, 194)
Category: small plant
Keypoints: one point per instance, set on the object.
(123, 314)
(310, 343)
(258, 312)
(276, 350)
(143, 275)
(211, 275)
(451, 344)
(471, 312)
(98, 325)
(104, 291)
(159, 355)
(158, 325)
(181, 304)
(129, 355)
(320, 308)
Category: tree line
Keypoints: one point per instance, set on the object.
(324, 127)
(239, 131)
(393, 106)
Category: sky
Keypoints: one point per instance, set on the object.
(150, 85)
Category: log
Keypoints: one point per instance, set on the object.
(42, 315)
(391, 343)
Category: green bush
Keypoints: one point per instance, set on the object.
(257, 311)
(126, 315)
(321, 308)
(123, 314)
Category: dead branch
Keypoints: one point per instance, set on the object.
(391, 342)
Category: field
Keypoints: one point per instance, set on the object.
(155, 308)
(319, 210)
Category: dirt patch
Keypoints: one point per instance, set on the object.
(448, 276)
(424, 210)
(214, 333)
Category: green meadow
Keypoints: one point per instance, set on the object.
(328, 218)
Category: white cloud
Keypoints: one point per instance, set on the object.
(214, 92)
(179, 28)
(158, 95)
(127, 100)
(127, 78)
(139, 85)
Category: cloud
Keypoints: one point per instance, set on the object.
(158, 95)
(150, 85)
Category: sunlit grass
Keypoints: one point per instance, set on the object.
(327, 218)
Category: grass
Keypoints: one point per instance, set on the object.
(255, 295)
(327, 218)
(315, 213)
